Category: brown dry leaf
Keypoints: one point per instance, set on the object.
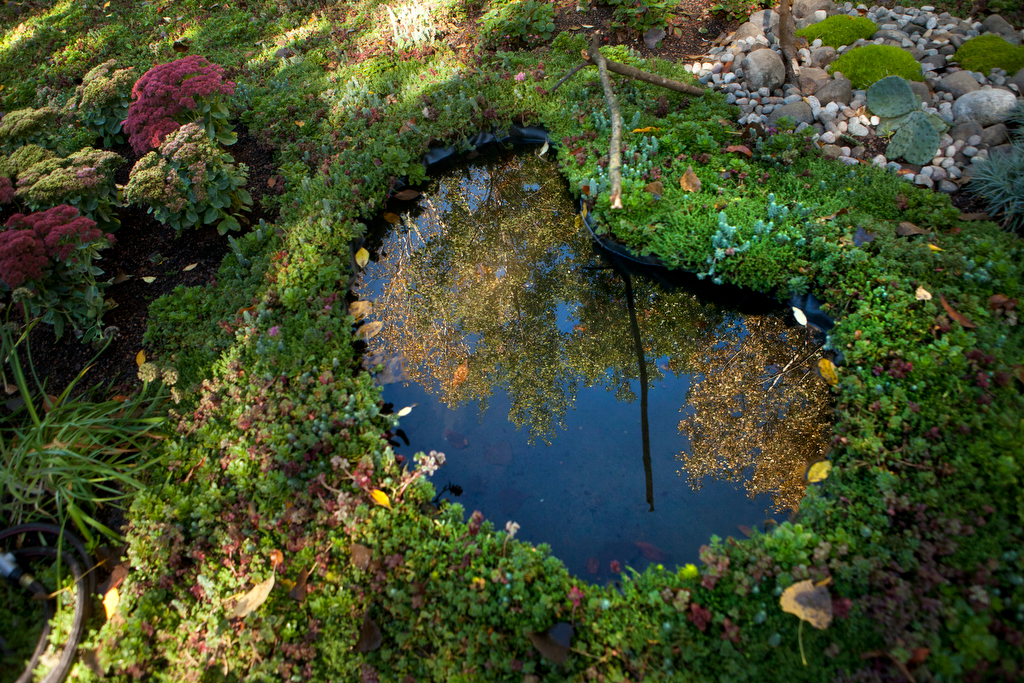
(189, 267)
(117, 575)
(655, 188)
(745, 530)
(120, 277)
(300, 124)
(370, 330)
(906, 229)
(959, 317)
(810, 603)
(743, 149)
(360, 309)
(923, 294)
(276, 558)
(252, 600)
(690, 182)
(391, 218)
(271, 181)
(406, 195)
(361, 556)
(829, 217)
(370, 637)
(298, 592)
(981, 216)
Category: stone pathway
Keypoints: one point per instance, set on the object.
(975, 105)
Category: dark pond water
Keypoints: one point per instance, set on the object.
(611, 415)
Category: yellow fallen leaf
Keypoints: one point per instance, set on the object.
(189, 267)
(583, 212)
(935, 248)
(690, 182)
(819, 471)
(391, 218)
(405, 411)
(360, 309)
(380, 498)
(648, 129)
(110, 602)
(252, 600)
(149, 279)
(923, 294)
(828, 371)
(300, 124)
(370, 330)
(362, 257)
(810, 603)
(140, 357)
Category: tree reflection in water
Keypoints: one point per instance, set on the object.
(489, 285)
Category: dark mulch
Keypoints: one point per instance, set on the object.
(145, 248)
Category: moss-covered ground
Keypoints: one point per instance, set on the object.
(915, 535)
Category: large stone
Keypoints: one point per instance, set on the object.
(810, 79)
(799, 112)
(921, 90)
(764, 69)
(839, 90)
(986, 107)
(958, 84)
(996, 24)
(747, 30)
(995, 135)
(1017, 79)
(965, 131)
(811, 19)
(890, 34)
(766, 20)
(804, 8)
(822, 56)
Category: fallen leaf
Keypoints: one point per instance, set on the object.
(362, 257)
(298, 592)
(800, 317)
(111, 599)
(648, 129)
(252, 600)
(300, 124)
(745, 530)
(271, 181)
(149, 280)
(370, 637)
(819, 471)
(981, 216)
(404, 411)
(276, 558)
(120, 277)
(743, 149)
(140, 357)
(959, 317)
(810, 603)
(544, 149)
(380, 498)
(656, 188)
(828, 372)
(189, 267)
(391, 218)
(361, 556)
(360, 309)
(690, 182)
(934, 247)
(406, 195)
(117, 575)
(919, 655)
(553, 643)
(906, 229)
(923, 294)
(370, 330)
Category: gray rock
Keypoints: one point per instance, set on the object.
(898, 36)
(937, 61)
(766, 20)
(986, 107)
(838, 90)
(825, 55)
(958, 84)
(947, 186)
(996, 24)
(747, 30)
(965, 131)
(1001, 150)
(800, 112)
(994, 135)
(764, 69)
(856, 128)
(924, 181)
(1017, 79)
(811, 19)
(810, 79)
(804, 8)
(921, 90)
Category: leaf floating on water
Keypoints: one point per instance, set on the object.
(370, 637)
(553, 643)
(380, 498)
(690, 182)
(252, 600)
(362, 257)
(361, 556)
(819, 471)
(800, 317)
(810, 603)
(828, 372)
(923, 294)
(370, 330)
(360, 309)
(404, 411)
(140, 357)
(189, 267)
(391, 218)
(955, 315)
(407, 195)
(745, 530)
(906, 229)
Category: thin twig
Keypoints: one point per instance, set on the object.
(615, 151)
(569, 75)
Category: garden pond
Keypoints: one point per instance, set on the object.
(620, 413)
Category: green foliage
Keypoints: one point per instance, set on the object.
(741, 9)
(518, 21)
(999, 179)
(839, 30)
(986, 52)
(84, 180)
(641, 15)
(190, 182)
(916, 140)
(869, 63)
(14, 164)
(103, 99)
(26, 127)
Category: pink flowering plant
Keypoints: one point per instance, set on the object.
(47, 264)
(103, 100)
(170, 95)
(84, 180)
(190, 182)
(27, 127)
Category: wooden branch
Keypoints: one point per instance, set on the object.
(645, 76)
(615, 153)
(569, 75)
(786, 39)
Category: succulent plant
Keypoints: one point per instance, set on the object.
(916, 140)
(892, 97)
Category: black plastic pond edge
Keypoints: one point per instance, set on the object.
(537, 135)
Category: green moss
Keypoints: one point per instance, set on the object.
(839, 30)
(988, 52)
(865, 65)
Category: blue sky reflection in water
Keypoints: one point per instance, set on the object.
(521, 347)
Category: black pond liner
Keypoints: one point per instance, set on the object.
(653, 267)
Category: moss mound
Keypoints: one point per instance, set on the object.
(988, 52)
(865, 65)
(839, 30)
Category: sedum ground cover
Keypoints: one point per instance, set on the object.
(281, 460)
